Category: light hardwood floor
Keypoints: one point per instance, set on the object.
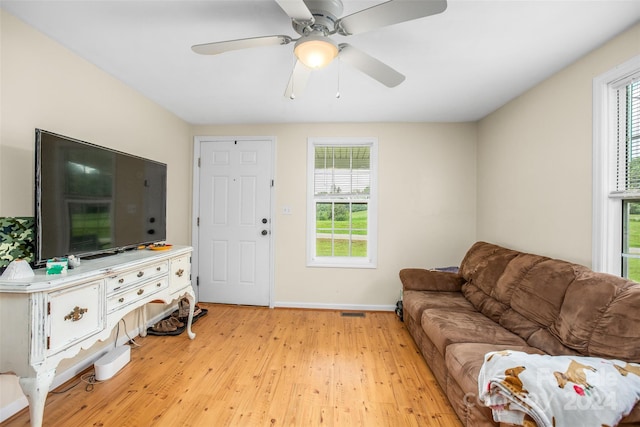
(253, 366)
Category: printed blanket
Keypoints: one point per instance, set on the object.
(523, 388)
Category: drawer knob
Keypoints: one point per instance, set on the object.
(140, 274)
(179, 273)
(121, 300)
(158, 284)
(140, 291)
(76, 314)
(121, 280)
(158, 268)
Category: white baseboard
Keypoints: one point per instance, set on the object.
(348, 307)
(13, 408)
(8, 410)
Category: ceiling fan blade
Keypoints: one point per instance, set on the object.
(298, 81)
(226, 46)
(297, 10)
(369, 65)
(389, 13)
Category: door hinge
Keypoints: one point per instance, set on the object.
(48, 343)
(199, 161)
(198, 222)
(197, 281)
(272, 183)
(48, 308)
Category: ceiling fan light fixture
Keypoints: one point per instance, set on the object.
(316, 51)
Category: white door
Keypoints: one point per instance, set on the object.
(234, 236)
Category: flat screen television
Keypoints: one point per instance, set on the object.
(91, 200)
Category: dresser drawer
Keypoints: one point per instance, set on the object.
(180, 274)
(121, 281)
(74, 314)
(136, 293)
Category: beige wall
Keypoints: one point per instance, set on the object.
(426, 206)
(534, 160)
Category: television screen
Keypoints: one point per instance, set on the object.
(92, 200)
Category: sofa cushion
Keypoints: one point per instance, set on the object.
(546, 341)
(463, 362)
(600, 317)
(419, 279)
(445, 326)
(540, 290)
(415, 302)
(484, 263)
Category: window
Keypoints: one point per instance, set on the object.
(616, 163)
(628, 175)
(341, 202)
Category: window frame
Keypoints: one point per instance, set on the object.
(371, 260)
(607, 225)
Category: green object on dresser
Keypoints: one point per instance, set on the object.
(17, 236)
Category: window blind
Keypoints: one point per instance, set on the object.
(342, 172)
(628, 140)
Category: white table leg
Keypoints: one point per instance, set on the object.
(192, 305)
(36, 390)
(142, 324)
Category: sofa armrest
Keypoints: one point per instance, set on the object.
(418, 279)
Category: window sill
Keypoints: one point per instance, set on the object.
(341, 263)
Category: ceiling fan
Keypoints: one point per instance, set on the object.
(316, 20)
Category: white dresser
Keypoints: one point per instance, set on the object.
(47, 318)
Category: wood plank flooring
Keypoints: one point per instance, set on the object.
(251, 366)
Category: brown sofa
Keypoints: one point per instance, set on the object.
(505, 299)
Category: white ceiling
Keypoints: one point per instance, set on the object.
(460, 65)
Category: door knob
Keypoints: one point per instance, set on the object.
(264, 220)
(265, 232)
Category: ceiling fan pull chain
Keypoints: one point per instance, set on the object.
(293, 91)
(339, 72)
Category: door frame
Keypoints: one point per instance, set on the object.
(195, 209)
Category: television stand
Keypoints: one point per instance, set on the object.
(52, 317)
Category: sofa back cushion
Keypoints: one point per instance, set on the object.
(600, 316)
(515, 287)
(557, 306)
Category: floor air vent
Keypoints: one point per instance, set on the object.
(352, 314)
